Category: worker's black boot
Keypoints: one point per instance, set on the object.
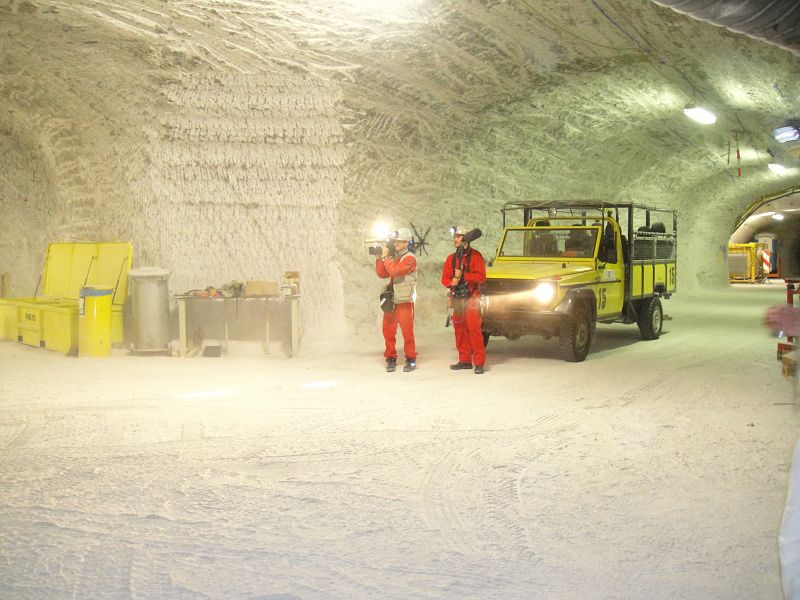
(461, 365)
(391, 365)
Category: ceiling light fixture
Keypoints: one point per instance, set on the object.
(789, 133)
(776, 168)
(778, 217)
(699, 114)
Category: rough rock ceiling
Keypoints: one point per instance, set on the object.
(443, 110)
(775, 21)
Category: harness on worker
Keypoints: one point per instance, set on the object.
(386, 299)
(460, 294)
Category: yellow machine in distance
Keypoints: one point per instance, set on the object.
(745, 262)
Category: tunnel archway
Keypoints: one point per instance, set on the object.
(776, 217)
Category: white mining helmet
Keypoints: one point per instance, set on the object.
(459, 230)
(403, 234)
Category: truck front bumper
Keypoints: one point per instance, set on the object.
(515, 323)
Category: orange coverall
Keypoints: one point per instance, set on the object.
(469, 337)
(403, 313)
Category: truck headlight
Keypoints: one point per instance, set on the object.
(544, 293)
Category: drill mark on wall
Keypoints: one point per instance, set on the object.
(253, 166)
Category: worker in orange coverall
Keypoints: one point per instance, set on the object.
(464, 271)
(401, 270)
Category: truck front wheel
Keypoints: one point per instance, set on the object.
(650, 319)
(575, 337)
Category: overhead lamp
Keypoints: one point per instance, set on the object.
(778, 216)
(776, 168)
(789, 133)
(699, 114)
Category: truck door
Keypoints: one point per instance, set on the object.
(610, 274)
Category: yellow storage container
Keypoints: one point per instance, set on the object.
(29, 324)
(51, 320)
(94, 322)
(60, 327)
(8, 320)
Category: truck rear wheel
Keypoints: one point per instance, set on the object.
(651, 318)
(575, 337)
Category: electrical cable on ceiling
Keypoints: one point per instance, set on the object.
(654, 52)
(618, 26)
(557, 27)
(649, 52)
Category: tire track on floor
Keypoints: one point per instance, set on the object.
(644, 390)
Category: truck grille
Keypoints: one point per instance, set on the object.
(507, 286)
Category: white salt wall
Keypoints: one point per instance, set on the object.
(216, 176)
(24, 185)
(244, 139)
(245, 183)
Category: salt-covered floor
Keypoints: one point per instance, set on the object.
(654, 470)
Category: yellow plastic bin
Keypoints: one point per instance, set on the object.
(94, 321)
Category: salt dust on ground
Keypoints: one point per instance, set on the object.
(653, 470)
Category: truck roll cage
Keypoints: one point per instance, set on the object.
(650, 232)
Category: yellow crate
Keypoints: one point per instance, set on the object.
(60, 327)
(51, 321)
(29, 325)
(8, 320)
(30, 317)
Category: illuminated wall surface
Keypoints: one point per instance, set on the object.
(238, 140)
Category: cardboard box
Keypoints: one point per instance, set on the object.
(257, 288)
(789, 364)
(292, 279)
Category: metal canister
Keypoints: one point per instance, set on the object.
(94, 321)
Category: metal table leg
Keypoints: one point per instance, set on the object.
(295, 324)
(182, 327)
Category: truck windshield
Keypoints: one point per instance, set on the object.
(550, 242)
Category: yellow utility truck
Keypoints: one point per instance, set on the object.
(570, 265)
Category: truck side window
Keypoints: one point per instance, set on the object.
(608, 246)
